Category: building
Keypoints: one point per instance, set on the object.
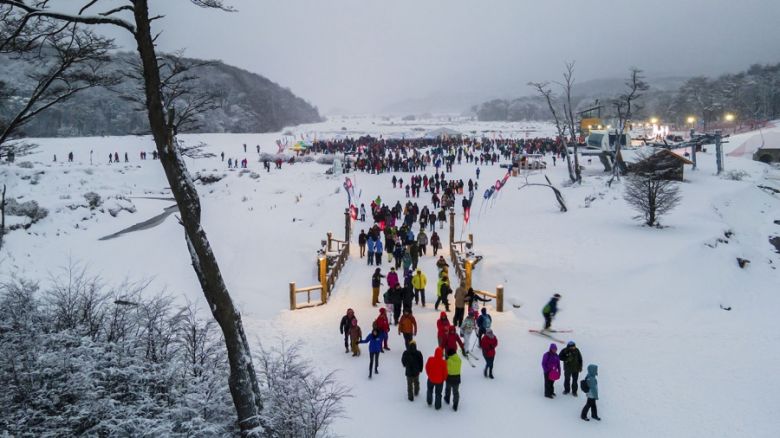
(664, 163)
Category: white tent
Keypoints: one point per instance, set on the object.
(443, 132)
(766, 140)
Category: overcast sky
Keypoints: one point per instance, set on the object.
(361, 55)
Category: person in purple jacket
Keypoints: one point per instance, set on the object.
(551, 364)
(392, 278)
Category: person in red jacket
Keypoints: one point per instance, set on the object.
(489, 342)
(452, 341)
(383, 324)
(436, 369)
(442, 328)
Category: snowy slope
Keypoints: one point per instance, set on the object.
(645, 304)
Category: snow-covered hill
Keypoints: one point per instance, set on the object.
(646, 305)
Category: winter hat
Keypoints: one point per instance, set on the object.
(571, 344)
(557, 296)
(489, 331)
(553, 347)
(392, 269)
(443, 315)
(382, 310)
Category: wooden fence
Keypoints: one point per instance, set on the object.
(329, 266)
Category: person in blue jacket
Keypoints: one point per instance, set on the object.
(593, 394)
(371, 246)
(374, 340)
(378, 248)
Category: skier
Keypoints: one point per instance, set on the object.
(412, 360)
(436, 369)
(488, 343)
(382, 324)
(376, 283)
(345, 325)
(550, 310)
(355, 335)
(572, 367)
(551, 366)
(362, 238)
(407, 326)
(418, 283)
(453, 379)
(467, 329)
(483, 324)
(374, 341)
(592, 393)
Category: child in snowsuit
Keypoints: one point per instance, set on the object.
(593, 394)
(355, 335)
(550, 310)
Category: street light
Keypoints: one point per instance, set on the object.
(730, 117)
(691, 120)
(654, 120)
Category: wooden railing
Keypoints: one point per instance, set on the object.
(328, 269)
(463, 267)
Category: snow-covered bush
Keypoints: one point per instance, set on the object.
(117, 204)
(299, 402)
(208, 178)
(30, 209)
(93, 200)
(82, 359)
(25, 165)
(735, 175)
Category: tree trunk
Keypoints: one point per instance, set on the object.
(243, 384)
(2, 217)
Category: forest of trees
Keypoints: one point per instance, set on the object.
(245, 102)
(753, 94)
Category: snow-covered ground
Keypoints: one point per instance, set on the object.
(644, 304)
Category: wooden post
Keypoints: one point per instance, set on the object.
(452, 225)
(347, 226)
(330, 237)
(292, 295)
(324, 277)
(500, 298)
(468, 265)
(471, 240)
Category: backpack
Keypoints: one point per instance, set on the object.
(584, 385)
(386, 297)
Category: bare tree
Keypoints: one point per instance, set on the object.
(625, 106)
(650, 191)
(134, 17)
(65, 59)
(2, 217)
(568, 112)
(544, 90)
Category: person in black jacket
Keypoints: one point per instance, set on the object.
(412, 360)
(472, 297)
(396, 298)
(376, 283)
(346, 324)
(572, 367)
(362, 239)
(407, 297)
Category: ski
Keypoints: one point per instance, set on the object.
(468, 359)
(546, 335)
(560, 331)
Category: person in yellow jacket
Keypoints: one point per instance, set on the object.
(418, 283)
(442, 292)
(452, 384)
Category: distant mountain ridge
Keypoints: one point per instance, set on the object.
(249, 102)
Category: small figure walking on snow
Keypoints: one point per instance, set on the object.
(345, 326)
(412, 360)
(550, 310)
(572, 367)
(591, 388)
(489, 343)
(355, 336)
(374, 341)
